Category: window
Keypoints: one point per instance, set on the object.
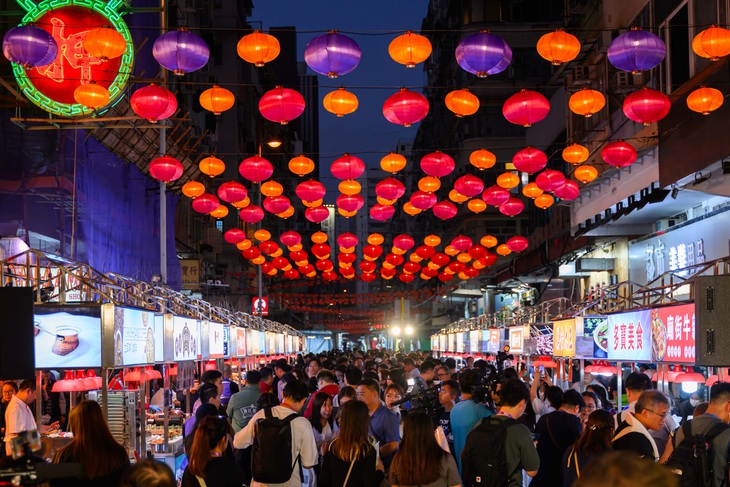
(677, 67)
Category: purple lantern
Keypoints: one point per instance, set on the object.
(181, 51)
(332, 54)
(483, 54)
(29, 46)
(637, 50)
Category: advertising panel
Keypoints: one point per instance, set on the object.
(540, 340)
(516, 339)
(673, 334)
(134, 337)
(434, 343)
(215, 340)
(565, 333)
(229, 343)
(474, 346)
(280, 343)
(460, 342)
(186, 335)
(443, 343)
(629, 336)
(451, 347)
(490, 340)
(593, 342)
(68, 338)
(240, 342)
(159, 338)
(255, 348)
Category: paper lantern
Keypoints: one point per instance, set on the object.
(409, 49)
(241, 204)
(483, 54)
(488, 241)
(544, 201)
(575, 154)
(255, 169)
(350, 203)
(258, 48)
(321, 251)
(477, 251)
(495, 195)
(489, 260)
(181, 51)
(529, 160)
(394, 259)
(375, 239)
(512, 207)
(271, 188)
(637, 50)
(153, 103)
(290, 237)
(205, 203)
(217, 100)
(291, 274)
(251, 253)
(347, 239)
(301, 165)
(368, 277)
(558, 47)
(549, 180)
(332, 54)
(457, 197)
(319, 237)
(432, 240)
(212, 166)
(340, 102)
(392, 163)
(445, 210)
(712, 43)
(231, 191)
(381, 212)
(437, 164)
(451, 251)
(166, 169)
(440, 259)
(268, 247)
(469, 185)
(281, 105)
(482, 159)
(429, 184)
(390, 189)
(404, 242)
(462, 102)
(585, 173)
(317, 215)
(531, 190)
(310, 190)
(347, 167)
(646, 106)
(251, 214)
(280, 263)
(30, 46)
(276, 204)
(91, 95)
(445, 277)
(349, 187)
(405, 107)
(104, 43)
(508, 180)
(618, 154)
(193, 189)
(372, 251)
(476, 205)
(705, 100)
(329, 276)
(410, 209)
(586, 102)
(461, 243)
(244, 244)
(503, 250)
(234, 236)
(422, 200)
(286, 213)
(525, 108)
(568, 191)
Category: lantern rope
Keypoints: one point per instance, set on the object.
(73, 196)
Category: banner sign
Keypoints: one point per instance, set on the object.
(629, 336)
(673, 334)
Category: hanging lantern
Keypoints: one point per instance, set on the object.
(310, 190)
(405, 107)
(462, 102)
(258, 48)
(429, 184)
(445, 210)
(321, 251)
(410, 209)
(469, 185)
(262, 235)
(437, 164)
(375, 239)
(332, 54)
(241, 204)
(422, 200)
(153, 103)
(712, 43)
(347, 167)
(477, 251)
(409, 49)
(232, 191)
(503, 250)
(432, 241)
(281, 105)
(544, 201)
(450, 251)
(349, 187)
(476, 205)
(368, 277)
(319, 237)
(212, 166)
(317, 215)
(290, 237)
(488, 241)
(390, 189)
(440, 259)
(340, 102)
(301, 165)
(549, 180)
(705, 100)
(495, 195)
(276, 204)
(575, 154)
(618, 154)
(251, 214)
(181, 51)
(512, 207)
(166, 169)
(586, 102)
(271, 188)
(347, 240)
(525, 108)
(445, 276)
(251, 253)
(104, 43)
(205, 203)
(558, 47)
(646, 106)
(482, 159)
(425, 251)
(531, 190)
(529, 160)
(385, 202)
(217, 100)
(637, 50)
(508, 180)
(234, 236)
(404, 242)
(461, 243)
(392, 163)
(411, 267)
(457, 197)
(568, 191)
(381, 212)
(350, 203)
(585, 173)
(255, 169)
(30, 46)
(193, 189)
(483, 54)
(91, 95)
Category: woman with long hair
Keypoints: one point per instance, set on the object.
(420, 460)
(351, 460)
(101, 457)
(593, 443)
(322, 419)
(207, 464)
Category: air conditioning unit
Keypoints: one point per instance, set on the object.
(625, 81)
(666, 223)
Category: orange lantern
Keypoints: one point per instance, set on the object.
(586, 102)
(91, 95)
(429, 184)
(503, 250)
(258, 260)
(463, 257)
(104, 43)
(397, 251)
(262, 235)
(340, 102)
(531, 190)
(544, 201)
(432, 241)
(258, 48)
(477, 205)
(349, 187)
(385, 202)
(301, 165)
(451, 251)
(477, 264)
(558, 47)
(244, 244)
(392, 163)
(410, 209)
(279, 252)
(409, 49)
(193, 189)
(295, 248)
(462, 102)
(712, 43)
(242, 204)
(212, 166)
(312, 204)
(705, 100)
(217, 100)
(585, 173)
(220, 212)
(488, 241)
(319, 237)
(271, 188)
(375, 239)
(482, 159)
(508, 180)
(457, 197)
(575, 154)
(415, 257)
(345, 213)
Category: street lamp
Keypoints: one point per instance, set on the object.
(409, 330)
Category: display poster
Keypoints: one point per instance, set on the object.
(134, 337)
(593, 343)
(629, 336)
(434, 343)
(215, 340)
(229, 342)
(474, 341)
(540, 339)
(565, 333)
(290, 344)
(673, 334)
(452, 343)
(256, 339)
(68, 338)
(516, 339)
(186, 335)
(199, 342)
(159, 338)
(443, 343)
(489, 340)
(460, 342)
(280, 343)
(240, 342)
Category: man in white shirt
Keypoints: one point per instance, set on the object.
(18, 415)
(303, 444)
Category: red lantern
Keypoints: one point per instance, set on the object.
(205, 203)
(276, 204)
(437, 164)
(618, 154)
(251, 253)
(411, 267)
(428, 272)
(317, 214)
(310, 190)
(469, 185)
(347, 272)
(568, 191)
(425, 251)
(390, 189)
(367, 266)
(405, 107)
(347, 240)
(251, 214)
(291, 274)
(234, 236)
(477, 251)
(290, 238)
(495, 195)
(232, 191)
(324, 265)
(347, 167)
(517, 243)
(166, 169)
(350, 203)
(368, 277)
(321, 251)
(525, 108)
(407, 278)
(268, 247)
(489, 260)
(280, 262)
(394, 260)
(346, 258)
(512, 207)
(329, 276)
(445, 210)
(404, 242)
(281, 105)
(461, 243)
(550, 180)
(256, 169)
(372, 251)
(423, 200)
(440, 259)
(530, 160)
(456, 267)
(444, 277)
(381, 212)
(646, 106)
(153, 102)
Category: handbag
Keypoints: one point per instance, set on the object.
(348, 474)
(201, 481)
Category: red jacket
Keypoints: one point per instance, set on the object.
(331, 389)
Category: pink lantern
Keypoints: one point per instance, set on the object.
(405, 107)
(445, 210)
(276, 204)
(404, 242)
(350, 202)
(646, 106)
(205, 203)
(381, 212)
(461, 243)
(437, 164)
(251, 214)
(423, 200)
(390, 189)
(469, 185)
(530, 160)
(568, 191)
(281, 105)
(525, 108)
(512, 207)
(317, 214)
(232, 191)
(256, 169)
(347, 240)
(618, 154)
(166, 169)
(347, 167)
(517, 243)
(550, 180)
(290, 238)
(234, 236)
(495, 195)
(310, 190)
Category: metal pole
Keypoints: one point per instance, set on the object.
(619, 385)
(163, 185)
(259, 274)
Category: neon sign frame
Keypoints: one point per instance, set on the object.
(108, 10)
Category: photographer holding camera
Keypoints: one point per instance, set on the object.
(469, 411)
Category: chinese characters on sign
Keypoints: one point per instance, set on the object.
(680, 256)
(516, 339)
(673, 334)
(190, 273)
(629, 336)
(564, 338)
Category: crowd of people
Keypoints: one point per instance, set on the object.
(368, 419)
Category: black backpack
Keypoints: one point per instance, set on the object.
(272, 448)
(484, 458)
(692, 459)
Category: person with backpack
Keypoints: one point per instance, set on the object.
(700, 456)
(651, 411)
(283, 442)
(593, 443)
(467, 412)
(499, 448)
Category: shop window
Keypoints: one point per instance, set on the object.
(676, 68)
